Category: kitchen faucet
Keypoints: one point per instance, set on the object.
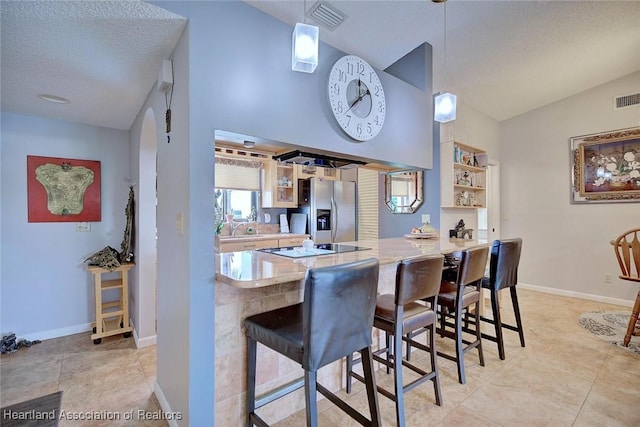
(234, 227)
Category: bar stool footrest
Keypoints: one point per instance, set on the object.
(277, 393)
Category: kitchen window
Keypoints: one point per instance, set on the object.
(237, 192)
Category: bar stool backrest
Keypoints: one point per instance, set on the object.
(418, 278)
(505, 258)
(472, 265)
(338, 309)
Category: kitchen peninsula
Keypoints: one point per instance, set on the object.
(252, 282)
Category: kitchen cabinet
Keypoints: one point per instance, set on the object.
(463, 170)
(249, 245)
(279, 185)
(258, 242)
(305, 172)
(291, 241)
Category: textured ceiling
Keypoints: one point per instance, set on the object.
(503, 58)
(103, 56)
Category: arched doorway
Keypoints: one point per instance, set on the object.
(146, 253)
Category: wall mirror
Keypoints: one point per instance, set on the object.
(403, 191)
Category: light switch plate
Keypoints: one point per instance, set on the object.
(83, 226)
(426, 218)
(179, 223)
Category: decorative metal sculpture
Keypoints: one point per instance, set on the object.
(109, 258)
(126, 253)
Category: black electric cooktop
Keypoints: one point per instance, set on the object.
(334, 247)
(340, 247)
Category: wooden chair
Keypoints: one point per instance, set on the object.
(627, 249)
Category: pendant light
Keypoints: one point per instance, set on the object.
(304, 46)
(445, 103)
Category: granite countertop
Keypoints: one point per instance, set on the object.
(260, 236)
(255, 269)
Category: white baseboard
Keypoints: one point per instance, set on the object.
(85, 327)
(56, 333)
(164, 404)
(573, 294)
(144, 342)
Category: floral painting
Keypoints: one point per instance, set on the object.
(606, 167)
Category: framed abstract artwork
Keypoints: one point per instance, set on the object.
(63, 190)
(606, 167)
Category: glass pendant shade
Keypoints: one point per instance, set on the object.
(445, 108)
(304, 48)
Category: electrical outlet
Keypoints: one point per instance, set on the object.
(608, 278)
(426, 218)
(83, 226)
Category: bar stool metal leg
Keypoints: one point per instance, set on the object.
(366, 356)
(397, 370)
(516, 310)
(434, 363)
(310, 396)
(497, 322)
(252, 347)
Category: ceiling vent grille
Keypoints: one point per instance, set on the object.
(625, 101)
(326, 15)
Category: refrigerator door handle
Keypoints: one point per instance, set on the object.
(334, 220)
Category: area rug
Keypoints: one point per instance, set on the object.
(609, 326)
(42, 411)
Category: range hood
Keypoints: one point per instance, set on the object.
(306, 158)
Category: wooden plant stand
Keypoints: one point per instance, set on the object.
(112, 317)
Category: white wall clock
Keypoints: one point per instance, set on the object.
(356, 97)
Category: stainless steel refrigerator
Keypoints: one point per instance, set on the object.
(331, 206)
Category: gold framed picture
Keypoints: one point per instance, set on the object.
(606, 167)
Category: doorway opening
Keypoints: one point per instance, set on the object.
(146, 236)
(489, 216)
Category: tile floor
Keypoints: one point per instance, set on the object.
(564, 377)
(112, 377)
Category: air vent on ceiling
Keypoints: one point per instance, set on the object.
(326, 15)
(624, 101)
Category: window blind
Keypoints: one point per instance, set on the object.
(367, 204)
(236, 176)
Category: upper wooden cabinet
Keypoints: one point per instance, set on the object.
(279, 185)
(463, 171)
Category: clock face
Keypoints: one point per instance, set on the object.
(356, 97)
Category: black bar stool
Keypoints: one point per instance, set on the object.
(456, 298)
(503, 273)
(334, 320)
(410, 308)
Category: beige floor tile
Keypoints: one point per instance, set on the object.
(461, 417)
(610, 405)
(113, 377)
